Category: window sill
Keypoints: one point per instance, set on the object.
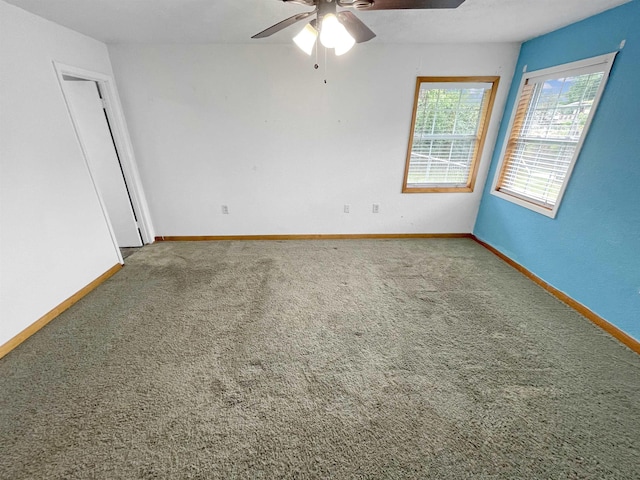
(437, 189)
(551, 213)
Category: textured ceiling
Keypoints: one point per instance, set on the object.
(235, 21)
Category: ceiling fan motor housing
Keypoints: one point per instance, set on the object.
(324, 8)
(362, 4)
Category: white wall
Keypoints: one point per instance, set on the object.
(54, 239)
(255, 127)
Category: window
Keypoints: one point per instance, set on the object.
(548, 126)
(450, 119)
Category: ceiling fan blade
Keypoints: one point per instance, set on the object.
(307, 3)
(283, 24)
(407, 4)
(358, 30)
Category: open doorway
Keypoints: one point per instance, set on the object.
(97, 118)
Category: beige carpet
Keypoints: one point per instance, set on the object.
(319, 359)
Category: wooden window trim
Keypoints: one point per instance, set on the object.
(483, 126)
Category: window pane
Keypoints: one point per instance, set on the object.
(538, 170)
(559, 108)
(441, 161)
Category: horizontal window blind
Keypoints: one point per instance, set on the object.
(547, 129)
(441, 161)
(449, 121)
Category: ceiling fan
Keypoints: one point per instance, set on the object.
(341, 30)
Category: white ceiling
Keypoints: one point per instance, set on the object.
(235, 21)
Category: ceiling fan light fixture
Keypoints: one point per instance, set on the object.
(306, 39)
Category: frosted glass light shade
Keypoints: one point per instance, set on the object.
(334, 35)
(306, 39)
(330, 30)
(345, 43)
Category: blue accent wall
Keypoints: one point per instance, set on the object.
(591, 250)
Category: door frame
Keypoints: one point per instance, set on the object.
(122, 143)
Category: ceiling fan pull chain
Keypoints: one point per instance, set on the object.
(317, 46)
(325, 65)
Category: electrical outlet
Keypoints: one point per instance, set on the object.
(225, 210)
(376, 208)
(346, 208)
